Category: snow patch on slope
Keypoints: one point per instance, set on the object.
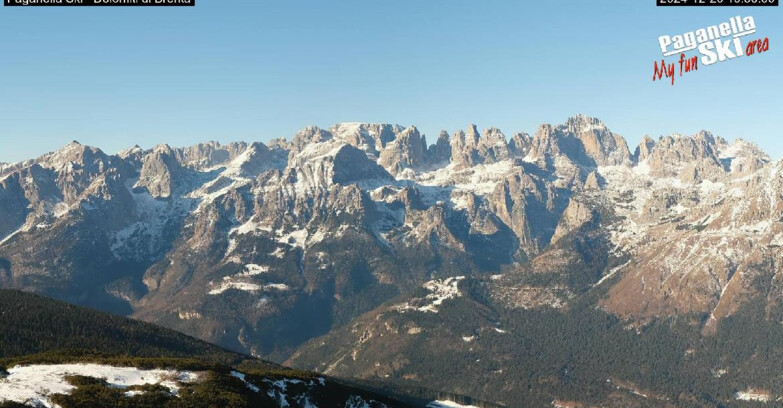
(242, 281)
(248, 287)
(448, 404)
(35, 384)
(241, 376)
(752, 395)
(480, 179)
(278, 390)
(440, 291)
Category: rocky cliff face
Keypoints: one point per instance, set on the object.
(407, 151)
(242, 243)
(581, 140)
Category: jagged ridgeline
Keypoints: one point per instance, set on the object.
(267, 248)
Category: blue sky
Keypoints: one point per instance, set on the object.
(255, 70)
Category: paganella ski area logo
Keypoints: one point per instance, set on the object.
(716, 43)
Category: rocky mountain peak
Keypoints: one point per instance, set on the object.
(408, 150)
(162, 148)
(307, 136)
(440, 152)
(472, 135)
(469, 148)
(599, 143)
(741, 156)
(583, 123)
(463, 149)
(644, 149)
(72, 148)
(75, 157)
(369, 137)
(210, 154)
(253, 160)
(544, 146)
(671, 154)
(159, 172)
(583, 140)
(135, 149)
(705, 136)
(492, 146)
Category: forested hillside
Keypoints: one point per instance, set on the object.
(55, 353)
(31, 324)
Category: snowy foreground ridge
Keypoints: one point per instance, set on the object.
(35, 384)
(448, 404)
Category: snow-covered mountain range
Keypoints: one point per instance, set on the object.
(264, 247)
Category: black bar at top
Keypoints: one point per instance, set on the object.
(99, 3)
(718, 3)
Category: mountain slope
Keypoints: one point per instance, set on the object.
(75, 357)
(31, 324)
(470, 342)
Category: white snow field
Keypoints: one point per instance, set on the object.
(448, 404)
(35, 384)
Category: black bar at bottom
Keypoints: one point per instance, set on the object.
(718, 3)
(105, 3)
